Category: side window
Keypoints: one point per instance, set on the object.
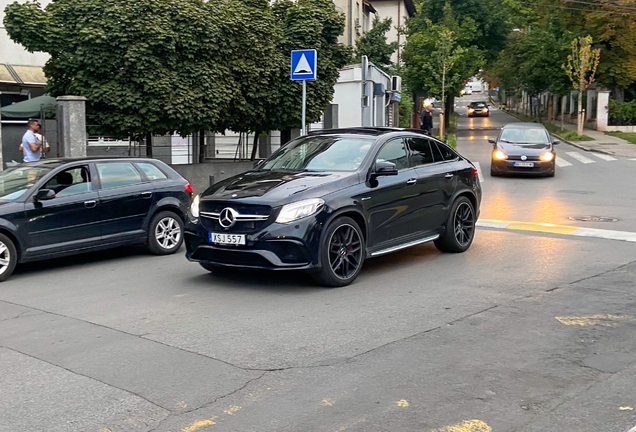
(394, 151)
(117, 174)
(72, 181)
(420, 152)
(151, 171)
(442, 152)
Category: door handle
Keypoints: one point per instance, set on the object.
(146, 194)
(90, 204)
(411, 181)
(449, 175)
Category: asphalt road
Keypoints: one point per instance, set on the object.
(524, 332)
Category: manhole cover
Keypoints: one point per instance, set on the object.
(593, 219)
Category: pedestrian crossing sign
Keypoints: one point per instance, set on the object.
(303, 64)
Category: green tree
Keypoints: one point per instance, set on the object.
(580, 68)
(373, 44)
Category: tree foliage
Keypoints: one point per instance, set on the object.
(374, 45)
(164, 66)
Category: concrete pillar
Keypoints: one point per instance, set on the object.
(331, 117)
(265, 146)
(573, 103)
(71, 118)
(589, 111)
(555, 106)
(602, 113)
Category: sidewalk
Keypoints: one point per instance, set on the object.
(602, 143)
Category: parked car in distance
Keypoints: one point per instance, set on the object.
(58, 207)
(467, 90)
(523, 148)
(478, 109)
(327, 201)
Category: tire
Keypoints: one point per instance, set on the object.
(8, 257)
(458, 238)
(165, 233)
(341, 247)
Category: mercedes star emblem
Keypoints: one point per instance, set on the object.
(227, 217)
(524, 157)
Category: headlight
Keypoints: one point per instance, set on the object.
(470, 110)
(485, 109)
(194, 208)
(547, 156)
(299, 210)
(500, 155)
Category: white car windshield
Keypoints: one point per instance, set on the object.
(321, 153)
(525, 136)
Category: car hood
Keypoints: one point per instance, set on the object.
(278, 187)
(512, 149)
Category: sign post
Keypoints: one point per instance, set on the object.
(303, 68)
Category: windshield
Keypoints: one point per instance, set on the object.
(14, 182)
(478, 104)
(320, 153)
(525, 136)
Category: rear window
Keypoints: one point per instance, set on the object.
(117, 174)
(151, 171)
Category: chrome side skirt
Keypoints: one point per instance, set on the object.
(405, 245)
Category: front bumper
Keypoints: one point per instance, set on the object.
(293, 246)
(507, 166)
(479, 114)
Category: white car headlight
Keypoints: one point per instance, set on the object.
(194, 208)
(299, 210)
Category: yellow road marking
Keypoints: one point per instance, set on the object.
(199, 424)
(541, 227)
(326, 402)
(626, 408)
(602, 320)
(402, 403)
(466, 426)
(231, 410)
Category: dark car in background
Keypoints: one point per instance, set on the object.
(327, 201)
(523, 148)
(58, 207)
(478, 109)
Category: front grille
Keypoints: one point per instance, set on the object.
(529, 158)
(248, 218)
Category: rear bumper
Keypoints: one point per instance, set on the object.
(507, 167)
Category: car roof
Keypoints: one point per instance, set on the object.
(53, 163)
(371, 131)
(524, 125)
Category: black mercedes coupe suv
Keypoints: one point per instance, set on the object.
(327, 201)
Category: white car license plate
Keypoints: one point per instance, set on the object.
(524, 164)
(227, 239)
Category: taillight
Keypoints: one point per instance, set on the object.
(188, 187)
(475, 172)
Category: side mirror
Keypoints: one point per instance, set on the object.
(385, 168)
(492, 141)
(44, 195)
(555, 142)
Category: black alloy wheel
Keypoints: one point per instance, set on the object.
(342, 253)
(460, 227)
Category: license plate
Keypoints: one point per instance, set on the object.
(227, 239)
(524, 164)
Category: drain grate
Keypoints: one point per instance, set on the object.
(593, 219)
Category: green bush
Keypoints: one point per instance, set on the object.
(624, 113)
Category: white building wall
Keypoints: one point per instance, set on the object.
(396, 10)
(13, 53)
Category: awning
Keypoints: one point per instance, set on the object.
(30, 75)
(31, 108)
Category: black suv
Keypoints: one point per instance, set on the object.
(60, 207)
(326, 201)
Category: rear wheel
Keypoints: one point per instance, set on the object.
(460, 227)
(342, 252)
(8, 257)
(165, 234)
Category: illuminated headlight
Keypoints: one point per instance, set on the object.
(500, 155)
(484, 110)
(194, 208)
(470, 110)
(299, 210)
(547, 156)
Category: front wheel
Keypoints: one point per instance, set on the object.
(460, 227)
(165, 234)
(8, 257)
(342, 252)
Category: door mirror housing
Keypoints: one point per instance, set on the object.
(44, 195)
(492, 141)
(555, 142)
(384, 168)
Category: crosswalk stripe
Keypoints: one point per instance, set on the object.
(604, 156)
(481, 177)
(561, 162)
(579, 157)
